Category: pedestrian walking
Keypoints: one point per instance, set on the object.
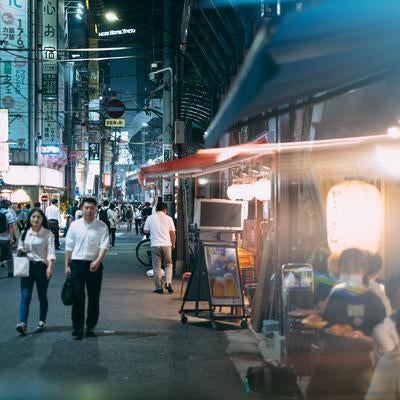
(86, 246)
(6, 236)
(73, 208)
(54, 219)
(145, 212)
(37, 243)
(113, 218)
(138, 220)
(129, 218)
(161, 228)
(104, 213)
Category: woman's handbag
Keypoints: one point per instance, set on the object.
(67, 292)
(21, 266)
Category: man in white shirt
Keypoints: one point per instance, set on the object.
(162, 237)
(86, 246)
(54, 218)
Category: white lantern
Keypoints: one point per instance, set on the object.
(245, 192)
(354, 216)
(233, 192)
(262, 189)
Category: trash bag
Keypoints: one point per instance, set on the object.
(271, 382)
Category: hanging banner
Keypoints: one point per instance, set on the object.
(94, 151)
(49, 73)
(4, 156)
(14, 81)
(49, 123)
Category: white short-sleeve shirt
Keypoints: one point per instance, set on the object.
(159, 225)
(85, 240)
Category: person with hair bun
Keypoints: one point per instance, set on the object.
(352, 311)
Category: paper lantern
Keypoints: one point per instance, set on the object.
(262, 189)
(233, 192)
(354, 216)
(245, 192)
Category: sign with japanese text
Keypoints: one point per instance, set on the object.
(14, 82)
(49, 124)
(167, 152)
(49, 73)
(4, 156)
(115, 122)
(93, 72)
(94, 151)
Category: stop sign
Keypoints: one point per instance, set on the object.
(115, 108)
(44, 198)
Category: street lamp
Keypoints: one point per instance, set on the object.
(110, 16)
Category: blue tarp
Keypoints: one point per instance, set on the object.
(328, 47)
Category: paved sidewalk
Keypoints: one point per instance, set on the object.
(142, 351)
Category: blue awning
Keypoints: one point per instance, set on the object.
(324, 50)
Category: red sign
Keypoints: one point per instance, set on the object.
(73, 155)
(44, 198)
(115, 108)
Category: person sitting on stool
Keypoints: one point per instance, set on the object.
(54, 218)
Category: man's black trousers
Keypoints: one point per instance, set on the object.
(82, 278)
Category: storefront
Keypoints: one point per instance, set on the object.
(35, 181)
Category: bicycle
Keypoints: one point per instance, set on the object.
(143, 252)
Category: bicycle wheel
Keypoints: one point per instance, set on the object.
(143, 252)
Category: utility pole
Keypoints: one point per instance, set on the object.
(168, 106)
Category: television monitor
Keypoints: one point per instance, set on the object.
(218, 215)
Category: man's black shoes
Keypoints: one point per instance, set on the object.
(90, 333)
(169, 288)
(78, 334)
(159, 291)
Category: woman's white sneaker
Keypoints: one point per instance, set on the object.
(21, 329)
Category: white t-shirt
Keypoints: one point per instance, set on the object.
(159, 225)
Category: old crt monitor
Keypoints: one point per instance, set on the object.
(218, 215)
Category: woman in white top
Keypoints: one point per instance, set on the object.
(37, 243)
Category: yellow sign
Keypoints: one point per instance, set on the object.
(116, 123)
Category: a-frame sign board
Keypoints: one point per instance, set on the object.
(199, 289)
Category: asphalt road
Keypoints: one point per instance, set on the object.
(142, 351)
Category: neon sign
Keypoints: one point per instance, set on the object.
(116, 32)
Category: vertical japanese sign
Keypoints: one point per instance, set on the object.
(94, 151)
(14, 72)
(4, 156)
(50, 134)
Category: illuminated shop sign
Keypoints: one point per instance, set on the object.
(117, 32)
(50, 149)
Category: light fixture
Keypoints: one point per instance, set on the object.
(394, 131)
(145, 124)
(246, 192)
(233, 192)
(203, 181)
(262, 189)
(20, 196)
(240, 192)
(110, 16)
(78, 16)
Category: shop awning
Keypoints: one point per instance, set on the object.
(217, 159)
(327, 49)
(200, 163)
